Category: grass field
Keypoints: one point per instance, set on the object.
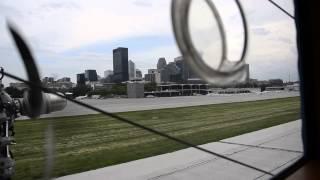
(92, 141)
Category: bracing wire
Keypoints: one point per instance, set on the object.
(283, 10)
(125, 120)
(23, 48)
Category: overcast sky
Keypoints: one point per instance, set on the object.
(68, 37)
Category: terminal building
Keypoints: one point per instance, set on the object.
(180, 90)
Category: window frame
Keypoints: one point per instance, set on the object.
(307, 27)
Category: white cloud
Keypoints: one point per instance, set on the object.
(53, 27)
(61, 26)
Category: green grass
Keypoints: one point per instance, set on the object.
(93, 141)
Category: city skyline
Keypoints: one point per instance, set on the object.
(75, 39)
(184, 73)
(83, 77)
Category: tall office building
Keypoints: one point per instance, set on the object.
(248, 72)
(161, 63)
(91, 75)
(132, 70)
(170, 73)
(185, 70)
(81, 78)
(120, 64)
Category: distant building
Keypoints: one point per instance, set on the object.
(248, 72)
(99, 77)
(152, 71)
(48, 80)
(132, 70)
(149, 77)
(263, 83)
(120, 64)
(96, 86)
(185, 71)
(135, 90)
(276, 82)
(170, 73)
(107, 73)
(293, 87)
(161, 63)
(81, 79)
(179, 58)
(138, 74)
(252, 83)
(61, 85)
(108, 77)
(64, 79)
(167, 90)
(19, 85)
(275, 88)
(153, 77)
(196, 81)
(91, 75)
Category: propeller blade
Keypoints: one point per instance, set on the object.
(35, 94)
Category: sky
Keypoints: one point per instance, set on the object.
(67, 37)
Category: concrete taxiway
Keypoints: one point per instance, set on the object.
(125, 104)
(272, 150)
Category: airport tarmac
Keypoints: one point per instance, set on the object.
(271, 150)
(126, 104)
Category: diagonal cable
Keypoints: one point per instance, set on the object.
(26, 55)
(125, 120)
(283, 10)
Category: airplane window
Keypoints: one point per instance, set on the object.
(160, 89)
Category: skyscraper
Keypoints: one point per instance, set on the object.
(81, 78)
(132, 70)
(120, 64)
(91, 75)
(161, 63)
(185, 70)
(248, 72)
(170, 73)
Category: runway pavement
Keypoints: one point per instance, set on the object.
(272, 150)
(125, 104)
